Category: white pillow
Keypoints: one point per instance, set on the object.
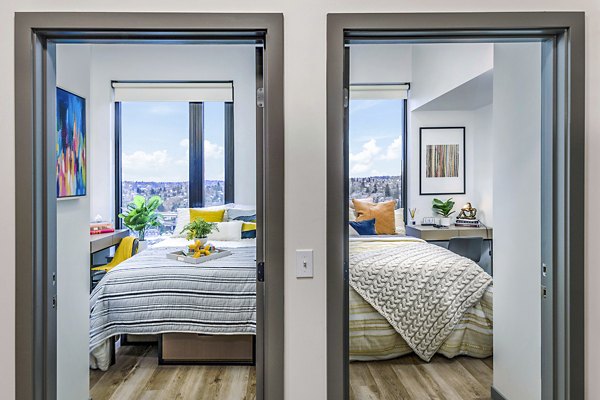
(352, 231)
(399, 217)
(183, 217)
(228, 231)
(351, 214)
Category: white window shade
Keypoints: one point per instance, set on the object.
(173, 91)
(379, 92)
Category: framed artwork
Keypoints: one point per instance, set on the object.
(442, 160)
(71, 162)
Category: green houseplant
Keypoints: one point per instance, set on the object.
(199, 229)
(443, 208)
(141, 215)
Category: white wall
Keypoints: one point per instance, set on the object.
(517, 240)
(439, 68)
(305, 187)
(478, 160)
(73, 249)
(173, 62)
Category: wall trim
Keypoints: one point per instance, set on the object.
(496, 395)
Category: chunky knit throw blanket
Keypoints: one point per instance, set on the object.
(423, 290)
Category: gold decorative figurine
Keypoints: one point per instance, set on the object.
(468, 212)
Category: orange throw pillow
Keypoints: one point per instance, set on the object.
(385, 222)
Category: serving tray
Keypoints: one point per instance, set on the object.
(181, 256)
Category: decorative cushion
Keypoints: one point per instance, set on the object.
(351, 215)
(234, 214)
(248, 230)
(366, 199)
(207, 215)
(183, 218)
(231, 230)
(383, 213)
(366, 227)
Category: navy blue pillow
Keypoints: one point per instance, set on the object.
(364, 227)
(246, 218)
(249, 234)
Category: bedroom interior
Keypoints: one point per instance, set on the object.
(439, 131)
(157, 147)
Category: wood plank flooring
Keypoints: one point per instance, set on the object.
(461, 378)
(137, 375)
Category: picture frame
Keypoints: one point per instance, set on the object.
(442, 161)
(71, 150)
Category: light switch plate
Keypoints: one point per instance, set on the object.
(304, 263)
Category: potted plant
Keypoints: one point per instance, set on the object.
(141, 215)
(199, 229)
(443, 208)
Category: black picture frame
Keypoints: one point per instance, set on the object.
(462, 156)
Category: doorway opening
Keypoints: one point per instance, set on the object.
(207, 152)
(374, 303)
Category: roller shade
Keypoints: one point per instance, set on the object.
(379, 92)
(173, 91)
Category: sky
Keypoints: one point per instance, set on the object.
(155, 141)
(376, 137)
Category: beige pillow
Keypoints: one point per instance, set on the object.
(399, 221)
(367, 199)
(385, 220)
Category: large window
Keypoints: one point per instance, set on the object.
(180, 151)
(377, 149)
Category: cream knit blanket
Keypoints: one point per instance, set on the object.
(422, 290)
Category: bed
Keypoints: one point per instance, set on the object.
(150, 294)
(407, 295)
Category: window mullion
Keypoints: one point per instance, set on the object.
(229, 154)
(196, 157)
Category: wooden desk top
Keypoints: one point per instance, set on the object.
(103, 241)
(444, 234)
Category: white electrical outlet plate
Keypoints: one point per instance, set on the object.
(304, 263)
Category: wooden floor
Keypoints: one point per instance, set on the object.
(137, 375)
(411, 378)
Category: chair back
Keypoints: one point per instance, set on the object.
(466, 246)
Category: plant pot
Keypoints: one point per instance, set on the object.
(445, 221)
(143, 245)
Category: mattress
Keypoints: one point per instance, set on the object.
(372, 337)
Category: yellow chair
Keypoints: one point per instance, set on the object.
(127, 248)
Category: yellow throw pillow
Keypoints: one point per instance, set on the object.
(207, 215)
(385, 221)
(248, 226)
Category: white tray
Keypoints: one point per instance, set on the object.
(181, 256)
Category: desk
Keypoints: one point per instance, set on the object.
(103, 241)
(430, 233)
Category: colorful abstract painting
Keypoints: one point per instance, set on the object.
(71, 160)
(442, 160)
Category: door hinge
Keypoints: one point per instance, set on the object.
(53, 301)
(260, 97)
(346, 97)
(544, 292)
(260, 271)
(544, 269)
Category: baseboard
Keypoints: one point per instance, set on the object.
(496, 395)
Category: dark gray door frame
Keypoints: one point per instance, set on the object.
(35, 38)
(563, 137)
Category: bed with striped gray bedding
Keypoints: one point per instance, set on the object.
(151, 294)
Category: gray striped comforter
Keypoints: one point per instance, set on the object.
(150, 294)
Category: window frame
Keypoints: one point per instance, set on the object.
(196, 157)
(404, 164)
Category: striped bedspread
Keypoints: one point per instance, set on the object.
(372, 337)
(150, 294)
